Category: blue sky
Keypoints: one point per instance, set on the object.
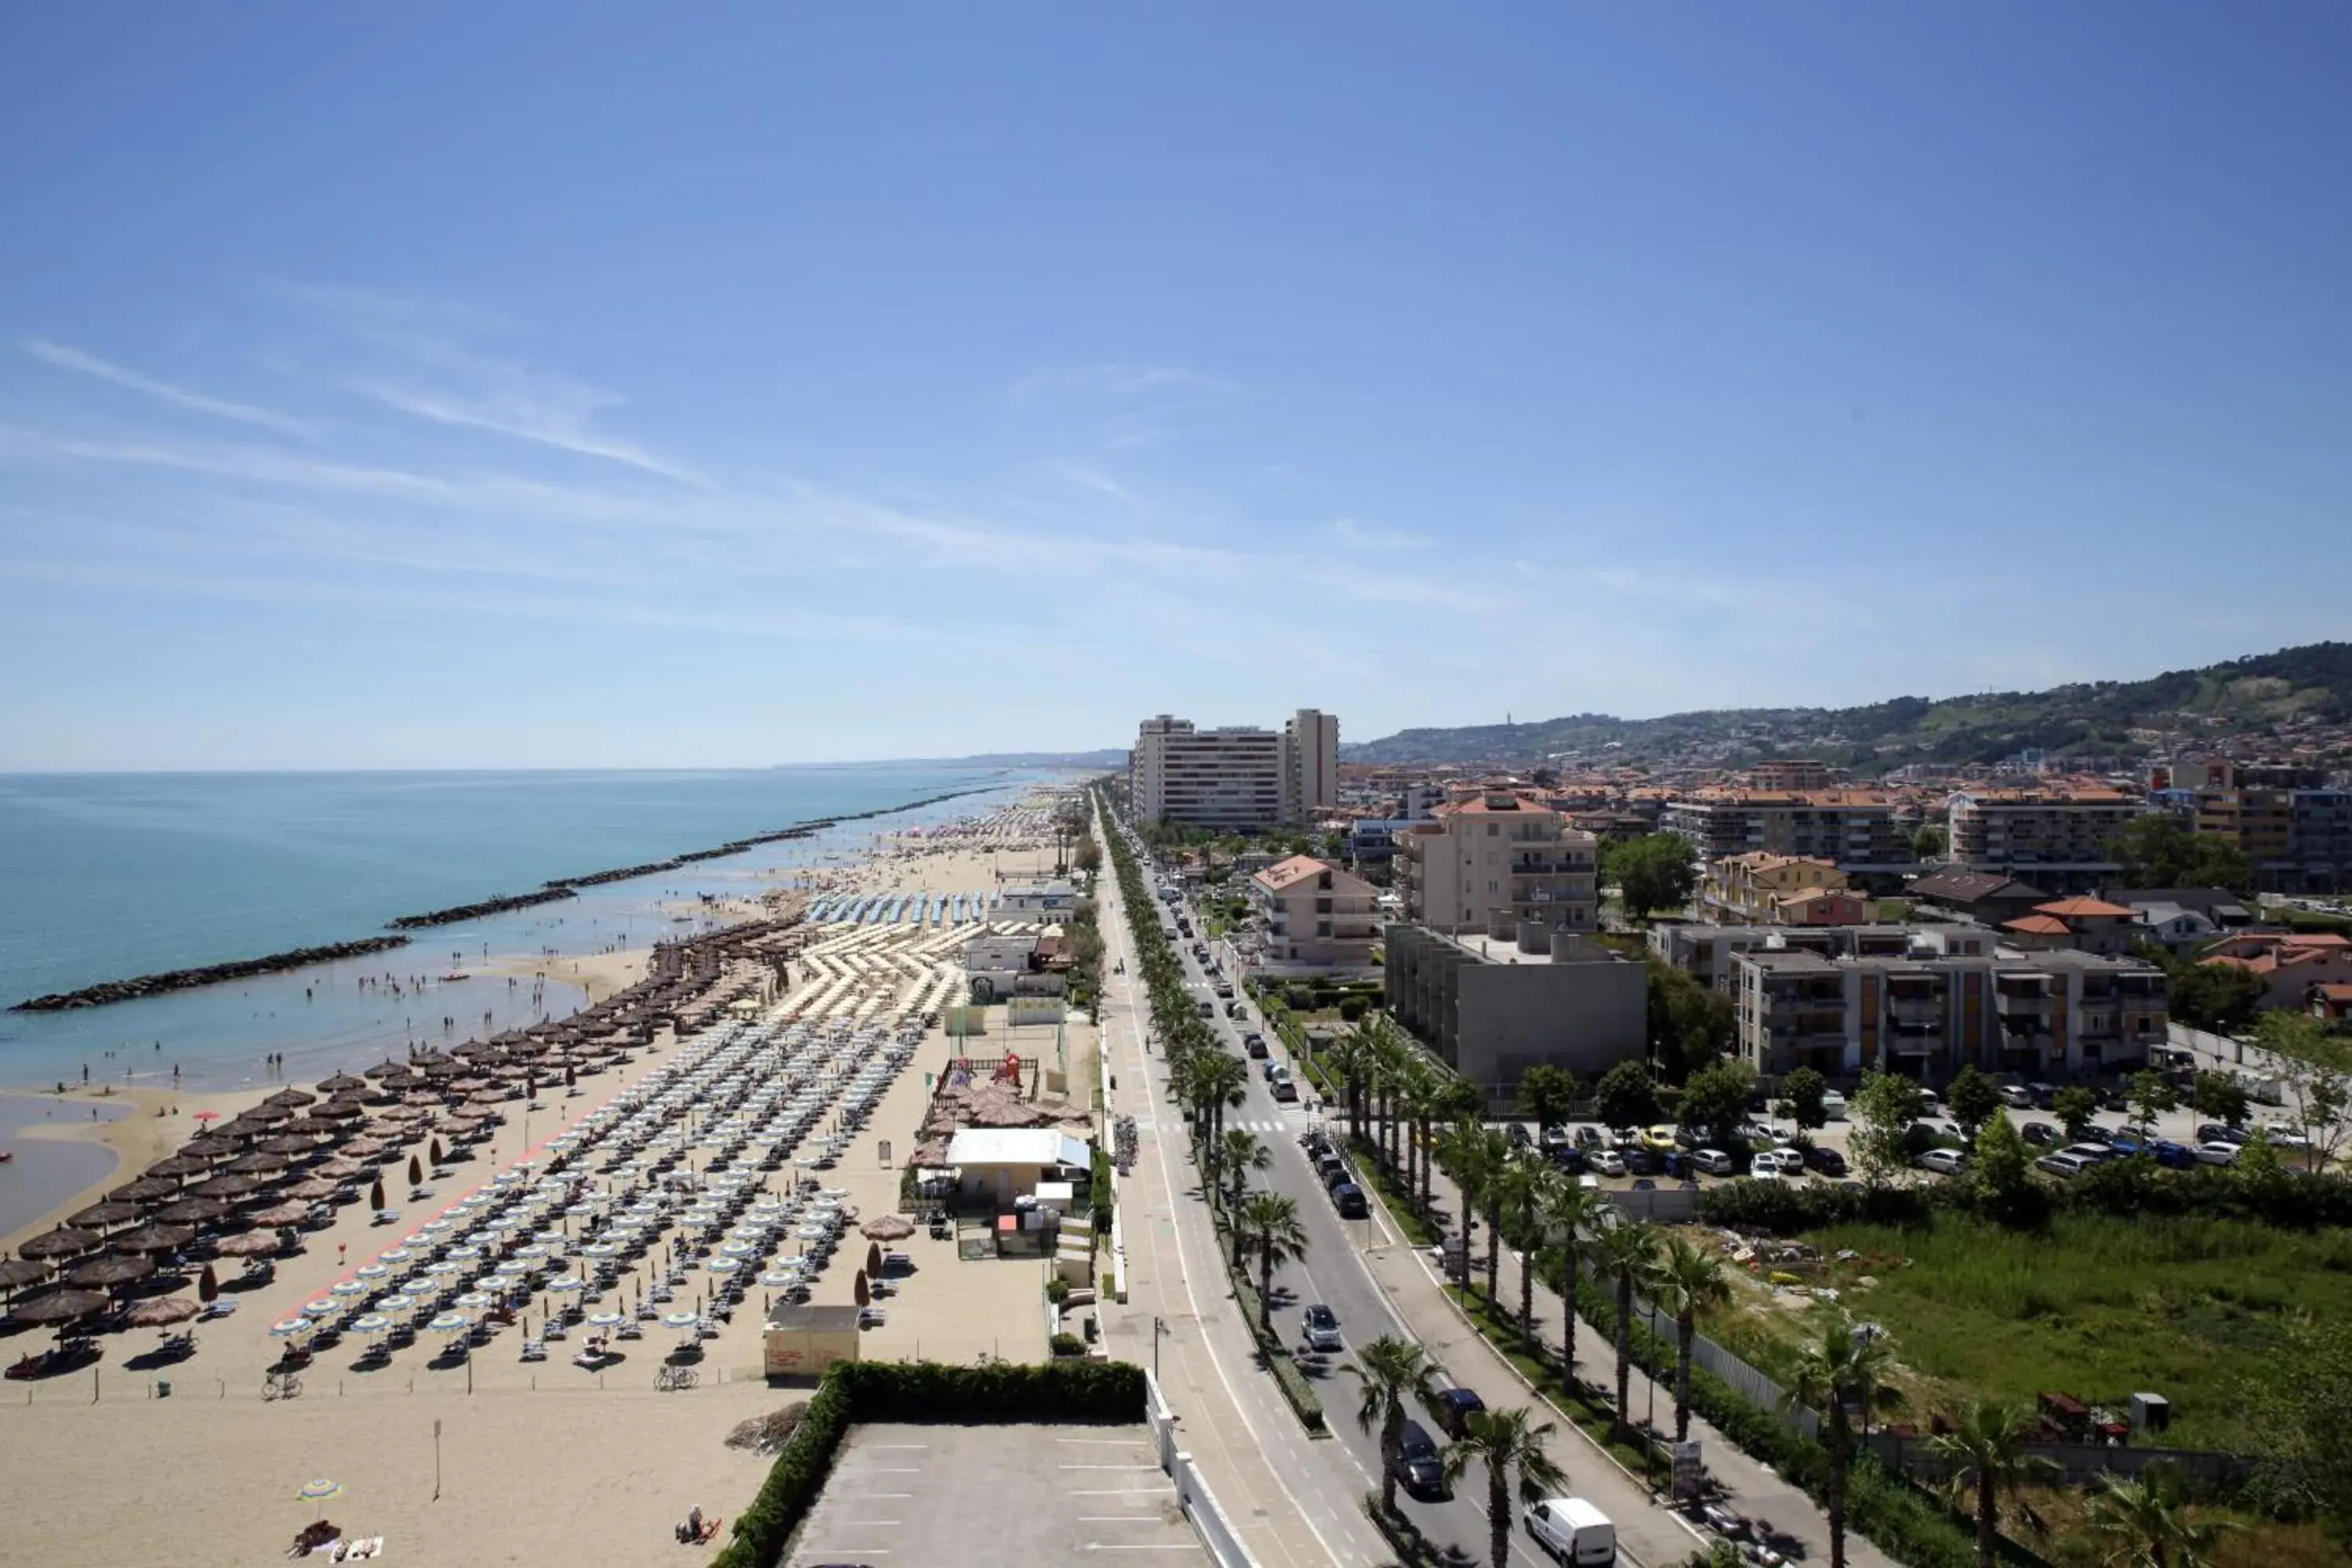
(535, 385)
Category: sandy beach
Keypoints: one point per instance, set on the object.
(539, 1460)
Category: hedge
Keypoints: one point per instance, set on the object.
(851, 1392)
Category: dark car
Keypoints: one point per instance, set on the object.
(1452, 1408)
(2041, 1134)
(1286, 1092)
(1826, 1160)
(1643, 1162)
(1418, 1467)
(2219, 1132)
(2175, 1155)
(1348, 1199)
(1569, 1160)
(1517, 1135)
(1254, 1044)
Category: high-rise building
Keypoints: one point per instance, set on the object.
(1854, 831)
(1310, 764)
(2057, 838)
(1491, 861)
(1229, 778)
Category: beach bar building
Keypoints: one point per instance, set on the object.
(803, 1341)
(1008, 1164)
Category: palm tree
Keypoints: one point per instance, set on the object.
(1625, 1253)
(1687, 1280)
(1496, 1199)
(1505, 1441)
(1351, 1057)
(1986, 1453)
(1390, 1368)
(1277, 1237)
(1225, 1079)
(1839, 1371)
(1571, 1209)
(2146, 1523)
(1238, 1154)
(1466, 1155)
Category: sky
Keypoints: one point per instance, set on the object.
(573, 384)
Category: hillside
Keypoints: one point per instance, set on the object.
(2106, 719)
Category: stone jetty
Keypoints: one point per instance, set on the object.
(131, 990)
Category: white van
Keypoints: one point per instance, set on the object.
(1573, 1532)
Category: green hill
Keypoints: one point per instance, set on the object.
(2105, 718)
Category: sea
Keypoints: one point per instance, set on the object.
(103, 877)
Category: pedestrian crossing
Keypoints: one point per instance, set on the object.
(1291, 1120)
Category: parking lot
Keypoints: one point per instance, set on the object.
(1015, 1496)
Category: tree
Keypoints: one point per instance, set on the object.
(1626, 1096)
(439, 1157)
(1929, 841)
(1238, 1154)
(1837, 1372)
(375, 1195)
(2219, 998)
(2157, 851)
(208, 1286)
(1714, 1100)
(1389, 1369)
(1884, 1109)
(1805, 1099)
(2317, 1069)
(1526, 1177)
(1506, 1442)
(2076, 1108)
(2001, 1171)
(2219, 1095)
(1547, 1094)
(2145, 1523)
(415, 1170)
(1972, 1098)
(1652, 872)
(1567, 1210)
(1687, 1281)
(1688, 1024)
(1625, 1253)
(2149, 1096)
(1985, 1454)
(1276, 1236)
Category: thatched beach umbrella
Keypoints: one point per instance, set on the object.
(337, 1169)
(309, 1191)
(257, 1164)
(282, 1213)
(362, 1148)
(334, 1114)
(154, 1238)
(105, 1214)
(228, 1186)
(210, 1147)
(58, 1307)
(387, 1068)
(293, 1097)
(178, 1166)
(111, 1271)
(62, 1242)
(248, 1244)
(15, 1272)
(289, 1144)
(192, 1210)
(161, 1311)
(266, 1114)
(145, 1190)
(343, 1083)
(889, 1228)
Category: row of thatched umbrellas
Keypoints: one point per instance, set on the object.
(197, 1189)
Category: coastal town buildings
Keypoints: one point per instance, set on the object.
(1310, 765)
(1854, 831)
(1492, 1004)
(1704, 951)
(1780, 889)
(2058, 838)
(1926, 1016)
(1309, 912)
(1235, 778)
(1499, 855)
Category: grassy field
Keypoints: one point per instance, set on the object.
(2191, 1309)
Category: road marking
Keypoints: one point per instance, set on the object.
(1115, 1491)
(1104, 1442)
(1152, 1465)
(1120, 1518)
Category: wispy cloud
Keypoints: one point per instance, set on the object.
(65, 356)
(1367, 536)
(552, 413)
(1118, 381)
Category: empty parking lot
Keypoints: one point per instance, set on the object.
(901, 1495)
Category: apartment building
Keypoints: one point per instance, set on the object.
(1311, 912)
(1310, 765)
(1853, 829)
(2320, 839)
(2043, 1014)
(1499, 855)
(1492, 1006)
(1229, 778)
(2291, 825)
(1706, 951)
(2056, 839)
(1793, 774)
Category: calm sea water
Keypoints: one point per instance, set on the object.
(106, 876)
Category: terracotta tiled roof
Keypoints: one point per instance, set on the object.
(2072, 909)
(1290, 873)
(2039, 925)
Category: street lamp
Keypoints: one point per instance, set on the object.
(1159, 1331)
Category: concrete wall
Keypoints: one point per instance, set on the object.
(1193, 1494)
(1492, 1021)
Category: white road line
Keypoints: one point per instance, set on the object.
(1104, 1442)
(1120, 1518)
(1149, 1465)
(1118, 1491)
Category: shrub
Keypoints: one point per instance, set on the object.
(1057, 1290)
(792, 1483)
(1067, 1344)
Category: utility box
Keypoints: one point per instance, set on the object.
(2150, 1411)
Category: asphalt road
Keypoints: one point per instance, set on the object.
(1333, 1273)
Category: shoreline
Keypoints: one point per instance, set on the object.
(105, 992)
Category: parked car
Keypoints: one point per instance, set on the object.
(1825, 1159)
(1556, 1137)
(1224, 991)
(1645, 1162)
(1588, 1136)
(1516, 1134)
(1452, 1408)
(2016, 1096)
(1286, 1091)
(1255, 1044)
(1234, 1009)
(2067, 1165)
(2089, 1153)
(2044, 1094)
(1943, 1161)
(1605, 1161)
(1833, 1106)
(1765, 1167)
(1419, 1469)
(1320, 1326)
(2041, 1134)
(1714, 1162)
(2219, 1132)
(1567, 1159)
(1659, 1138)
(1348, 1199)
(2217, 1151)
(1573, 1532)
(1764, 1133)
(2171, 1154)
